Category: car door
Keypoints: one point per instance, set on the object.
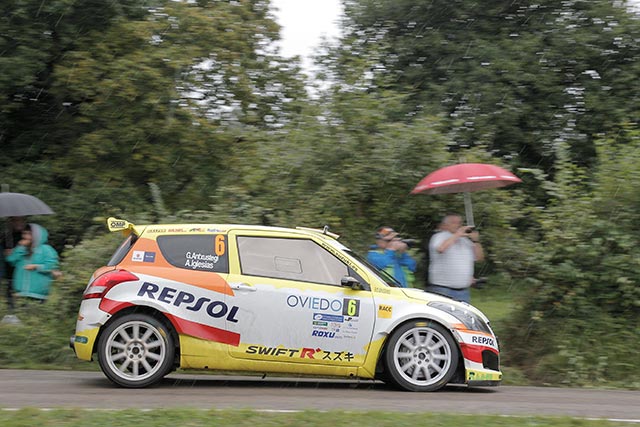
(292, 308)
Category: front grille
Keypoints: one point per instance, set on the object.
(490, 360)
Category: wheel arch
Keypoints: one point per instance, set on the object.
(380, 366)
(142, 309)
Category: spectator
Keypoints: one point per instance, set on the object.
(35, 264)
(452, 253)
(8, 240)
(390, 254)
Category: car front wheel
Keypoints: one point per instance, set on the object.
(136, 350)
(421, 356)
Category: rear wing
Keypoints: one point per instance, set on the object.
(324, 230)
(116, 224)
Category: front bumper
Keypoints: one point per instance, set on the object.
(483, 377)
(481, 383)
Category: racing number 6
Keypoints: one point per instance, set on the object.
(352, 307)
(220, 246)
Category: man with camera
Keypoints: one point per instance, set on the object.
(453, 250)
(390, 254)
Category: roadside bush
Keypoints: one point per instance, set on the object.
(582, 307)
(42, 338)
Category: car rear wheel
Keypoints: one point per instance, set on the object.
(421, 356)
(136, 350)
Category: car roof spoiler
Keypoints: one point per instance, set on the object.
(117, 224)
(324, 230)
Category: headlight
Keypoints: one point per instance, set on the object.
(468, 318)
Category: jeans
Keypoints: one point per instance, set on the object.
(456, 294)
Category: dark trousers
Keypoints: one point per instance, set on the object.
(9, 294)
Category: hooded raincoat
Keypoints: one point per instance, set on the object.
(34, 283)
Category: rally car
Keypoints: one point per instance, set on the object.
(271, 300)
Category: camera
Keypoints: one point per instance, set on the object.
(469, 229)
(409, 242)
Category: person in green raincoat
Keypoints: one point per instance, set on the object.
(35, 264)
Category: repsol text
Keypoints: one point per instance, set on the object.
(214, 308)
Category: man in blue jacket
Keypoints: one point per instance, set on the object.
(390, 254)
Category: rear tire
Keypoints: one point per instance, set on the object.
(136, 350)
(421, 356)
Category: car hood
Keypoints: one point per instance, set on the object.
(428, 297)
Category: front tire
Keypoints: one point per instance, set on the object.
(136, 350)
(421, 356)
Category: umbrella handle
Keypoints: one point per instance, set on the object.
(468, 209)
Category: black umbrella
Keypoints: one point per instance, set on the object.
(19, 204)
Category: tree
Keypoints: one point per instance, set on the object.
(130, 93)
(516, 77)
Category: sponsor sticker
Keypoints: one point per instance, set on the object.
(478, 339)
(483, 341)
(137, 256)
(142, 256)
(176, 297)
(302, 353)
(385, 311)
(323, 334)
(157, 230)
(327, 317)
(483, 376)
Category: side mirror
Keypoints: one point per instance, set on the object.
(348, 281)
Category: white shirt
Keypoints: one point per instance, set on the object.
(452, 268)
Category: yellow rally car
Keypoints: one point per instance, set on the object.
(271, 300)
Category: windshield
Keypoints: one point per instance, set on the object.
(386, 277)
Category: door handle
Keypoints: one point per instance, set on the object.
(242, 287)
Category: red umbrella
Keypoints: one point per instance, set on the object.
(464, 178)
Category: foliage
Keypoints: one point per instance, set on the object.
(582, 307)
(184, 112)
(119, 94)
(514, 76)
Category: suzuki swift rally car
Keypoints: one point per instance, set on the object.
(271, 300)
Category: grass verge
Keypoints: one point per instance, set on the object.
(240, 418)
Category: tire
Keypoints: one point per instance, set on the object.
(421, 356)
(136, 350)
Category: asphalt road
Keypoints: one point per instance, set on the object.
(76, 389)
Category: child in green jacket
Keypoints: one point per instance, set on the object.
(34, 262)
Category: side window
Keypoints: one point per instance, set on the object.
(202, 252)
(292, 259)
(122, 250)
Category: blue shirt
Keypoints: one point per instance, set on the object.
(399, 265)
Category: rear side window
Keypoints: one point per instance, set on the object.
(122, 250)
(202, 252)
